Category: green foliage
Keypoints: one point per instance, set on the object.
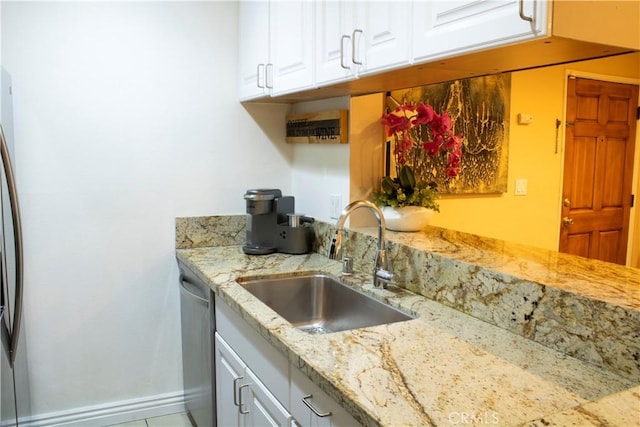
(404, 190)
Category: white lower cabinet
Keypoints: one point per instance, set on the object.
(256, 385)
(229, 378)
(264, 409)
(241, 398)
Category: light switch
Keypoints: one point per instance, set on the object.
(524, 119)
(521, 187)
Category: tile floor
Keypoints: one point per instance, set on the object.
(173, 420)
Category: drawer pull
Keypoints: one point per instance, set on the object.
(313, 409)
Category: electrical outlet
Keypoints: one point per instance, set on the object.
(335, 205)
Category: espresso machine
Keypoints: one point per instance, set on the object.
(273, 225)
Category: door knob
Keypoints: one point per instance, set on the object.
(566, 202)
(566, 221)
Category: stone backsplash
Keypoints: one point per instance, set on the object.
(203, 231)
(584, 309)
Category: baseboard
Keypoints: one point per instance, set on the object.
(112, 413)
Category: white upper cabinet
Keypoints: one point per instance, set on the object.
(447, 28)
(360, 37)
(292, 44)
(253, 44)
(275, 41)
(335, 22)
(382, 35)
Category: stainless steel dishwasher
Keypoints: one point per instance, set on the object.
(198, 326)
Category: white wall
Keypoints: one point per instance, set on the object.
(320, 170)
(126, 116)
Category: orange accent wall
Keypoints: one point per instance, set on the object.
(536, 154)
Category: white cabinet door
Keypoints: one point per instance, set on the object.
(244, 399)
(361, 37)
(320, 410)
(263, 408)
(382, 35)
(253, 49)
(230, 377)
(292, 42)
(254, 350)
(241, 398)
(446, 28)
(335, 22)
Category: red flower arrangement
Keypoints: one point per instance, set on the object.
(418, 128)
(420, 134)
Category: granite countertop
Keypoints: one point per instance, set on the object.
(443, 368)
(615, 284)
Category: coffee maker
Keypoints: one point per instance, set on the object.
(272, 225)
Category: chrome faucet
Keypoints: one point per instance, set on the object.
(382, 274)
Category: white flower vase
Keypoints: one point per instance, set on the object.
(407, 218)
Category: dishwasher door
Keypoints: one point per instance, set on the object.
(197, 320)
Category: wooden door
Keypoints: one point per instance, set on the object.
(598, 168)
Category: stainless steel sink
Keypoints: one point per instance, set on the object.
(318, 303)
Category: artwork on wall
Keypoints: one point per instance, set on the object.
(479, 110)
(326, 127)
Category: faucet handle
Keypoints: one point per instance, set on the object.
(382, 278)
(382, 261)
(385, 275)
(382, 274)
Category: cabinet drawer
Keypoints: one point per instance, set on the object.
(255, 351)
(325, 413)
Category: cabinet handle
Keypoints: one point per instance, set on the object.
(521, 12)
(353, 46)
(258, 73)
(235, 389)
(342, 52)
(268, 76)
(240, 398)
(313, 409)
